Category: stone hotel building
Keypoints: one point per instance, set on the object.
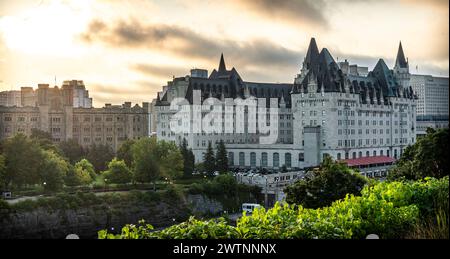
(331, 108)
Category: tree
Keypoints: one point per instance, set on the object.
(145, 162)
(52, 171)
(118, 172)
(2, 172)
(84, 168)
(77, 177)
(23, 158)
(188, 159)
(125, 153)
(170, 159)
(99, 156)
(44, 140)
(331, 182)
(72, 150)
(209, 160)
(427, 157)
(153, 159)
(221, 157)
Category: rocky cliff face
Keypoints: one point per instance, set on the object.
(43, 222)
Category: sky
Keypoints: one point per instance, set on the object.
(127, 50)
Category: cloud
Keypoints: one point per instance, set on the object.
(297, 11)
(160, 71)
(186, 43)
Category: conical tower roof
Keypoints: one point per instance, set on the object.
(401, 61)
(222, 67)
(312, 54)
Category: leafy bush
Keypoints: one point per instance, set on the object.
(333, 181)
(390, 210)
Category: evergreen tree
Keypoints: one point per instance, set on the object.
(188, 158)
(221, 157)
(209, 160)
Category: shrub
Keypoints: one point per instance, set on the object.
(390, 210)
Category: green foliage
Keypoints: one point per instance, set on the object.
(188, 159)
(44, 140)
(72, 150)
(77, 176)
(170, 159)
(209, 161)
(153, 159)
(53, 170)
(427, 157)
(2, 172)
(390, 210)
(99, 156)
(84, 168)
(118, 172)
(23, 158)
(125, 153)
(221, 184)
(221, 157)
(331, 182)
(145, 162)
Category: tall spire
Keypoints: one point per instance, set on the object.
(222, 67)
(401, 61)
(312, 54)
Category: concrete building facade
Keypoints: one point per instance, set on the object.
(432, 104)
(55, 112)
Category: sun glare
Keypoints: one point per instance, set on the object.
(50, 29)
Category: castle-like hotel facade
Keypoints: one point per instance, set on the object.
(335, 109)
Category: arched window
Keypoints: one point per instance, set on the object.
(264, 159)
(287, 160)
(354, 155)
(338, 156)
(276, 160)
(381, 152)
(241, 159)
(374, 153)
(360, 154)
(367, 154)
(253, 159)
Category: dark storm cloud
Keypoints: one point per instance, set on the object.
(303, 11)
(186, 43)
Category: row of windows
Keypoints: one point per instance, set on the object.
(263, 161)
(21, 119)
(367, 154)
(352, 142)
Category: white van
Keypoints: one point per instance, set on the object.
(249, 207)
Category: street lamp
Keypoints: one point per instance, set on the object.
(106, 180)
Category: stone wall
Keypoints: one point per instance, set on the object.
(87, 221)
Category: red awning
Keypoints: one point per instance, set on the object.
(369, 160)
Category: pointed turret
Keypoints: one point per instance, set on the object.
(401, 60)
(312, 54)
(222, 67)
